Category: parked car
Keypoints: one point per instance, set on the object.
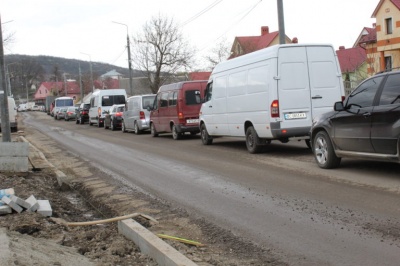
(70, 113)
(136, 117)
(113, 117)
(21, 107)
(176, 108)
(35, 108)
(54, 112)
(82, 113)
(365, 126)
(60, 113)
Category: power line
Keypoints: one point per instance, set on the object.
(234, 24)
(201, 12)
(113, 62)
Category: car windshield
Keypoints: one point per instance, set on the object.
(120, 108)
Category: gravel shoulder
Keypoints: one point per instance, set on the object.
(94, 195)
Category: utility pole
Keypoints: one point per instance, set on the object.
(281, 21)
(80, 83)
(5, 118)
(129, 56)
(65, 85)
(91, 71)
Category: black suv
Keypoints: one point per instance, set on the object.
(365, 126)
(82, 113)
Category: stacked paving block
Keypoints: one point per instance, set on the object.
(9, 203)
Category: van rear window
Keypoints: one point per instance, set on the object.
(109, 100)
(192, 97)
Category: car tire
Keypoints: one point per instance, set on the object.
(112, 126)
(90, 123)
(205, 138)
(153, 131)
(324, 153)
(252, 140)
(123, 128)
(175, 134)
(136, 128)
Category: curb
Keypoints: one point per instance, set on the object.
(147, 242)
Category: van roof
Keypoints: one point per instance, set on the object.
(178, 85)
(260, 55)
(142, 95)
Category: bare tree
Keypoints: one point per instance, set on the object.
(219, 53)
(160, 51)
(25, 74)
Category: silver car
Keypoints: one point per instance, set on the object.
(136, 116)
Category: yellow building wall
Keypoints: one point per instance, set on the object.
(387, 44)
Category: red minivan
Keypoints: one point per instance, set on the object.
(176, 108)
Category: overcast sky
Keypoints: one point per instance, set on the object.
(75, 28)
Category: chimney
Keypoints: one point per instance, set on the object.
(341, 48)
(264, 30)
(295, 40)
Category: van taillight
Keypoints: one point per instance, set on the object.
(99, 111)
(275, 108)
(141, 115)
(180, 115)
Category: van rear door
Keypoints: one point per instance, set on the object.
(191, 102)
(309, 83)
(294, 88)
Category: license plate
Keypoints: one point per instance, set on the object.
(295, 116)
(192, 121)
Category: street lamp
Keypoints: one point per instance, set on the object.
(129, 56)
(91, 71)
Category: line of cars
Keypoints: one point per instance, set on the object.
(279, 93)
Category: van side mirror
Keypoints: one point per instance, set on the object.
(338, 106)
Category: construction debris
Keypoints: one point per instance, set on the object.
(183, 240)
(10, 202)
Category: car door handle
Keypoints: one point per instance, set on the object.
(210, 106)
(316, 97)
(367, 114)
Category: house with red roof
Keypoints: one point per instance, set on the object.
(246, 44)
(68, 88)
(353, 64)
(384, 54)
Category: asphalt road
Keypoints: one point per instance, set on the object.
(279, 199)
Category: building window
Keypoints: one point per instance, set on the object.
(388, 63)
(389, 27)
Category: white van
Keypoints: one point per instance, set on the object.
(100, 103)
(136, 116)
(12, 115)
(271, 94)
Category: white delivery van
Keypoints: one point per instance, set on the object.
(100, 103)
(271, 94)
(12, 115)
